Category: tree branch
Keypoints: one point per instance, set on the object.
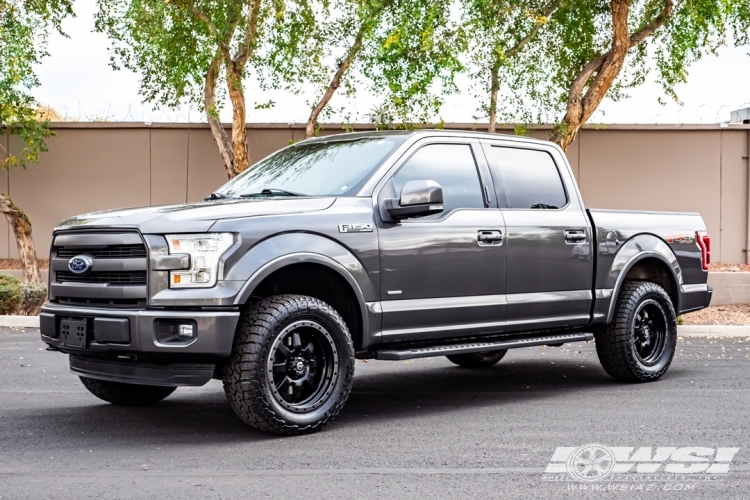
(251, 33)
(336, 80)
(223, 45)
(531, 34)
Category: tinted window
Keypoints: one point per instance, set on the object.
(530, 178)
(450, 165)
(315, 168)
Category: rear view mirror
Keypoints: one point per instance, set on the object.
(418, 199)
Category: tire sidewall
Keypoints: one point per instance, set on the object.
(344, 366)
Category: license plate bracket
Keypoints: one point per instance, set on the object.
(73, 332)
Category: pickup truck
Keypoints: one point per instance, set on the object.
(384, 245)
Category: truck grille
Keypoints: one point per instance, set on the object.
(120, 251)
(119, 273)
(127, 277)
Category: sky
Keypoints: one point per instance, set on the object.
(77, 81)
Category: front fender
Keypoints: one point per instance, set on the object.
(293, 248)
(615, 267)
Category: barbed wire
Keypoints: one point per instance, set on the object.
(454, 112)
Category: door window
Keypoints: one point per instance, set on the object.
(530, 178)
(450, 165)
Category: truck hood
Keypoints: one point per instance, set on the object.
(193, 217)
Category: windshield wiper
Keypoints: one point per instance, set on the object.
(215, 196)
(270, 192)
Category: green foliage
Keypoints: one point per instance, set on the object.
(24, 28)
(10, 294)
(33, 295)
(534, 84)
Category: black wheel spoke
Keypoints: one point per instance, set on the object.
(313, 364)
(296, 391)
(309, 349)
(282, 349)
(279, 368)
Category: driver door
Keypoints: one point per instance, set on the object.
(443, 275)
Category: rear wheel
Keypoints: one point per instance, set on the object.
(477, 359)
(122, 394)
(639, 344)
(291, 367)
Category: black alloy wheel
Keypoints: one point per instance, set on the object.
(303, 365)
(650, 331)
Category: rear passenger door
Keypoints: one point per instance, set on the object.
(548, 237)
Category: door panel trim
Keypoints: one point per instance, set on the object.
(525, 298)
(442, 303)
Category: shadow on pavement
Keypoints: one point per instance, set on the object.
(198, 416)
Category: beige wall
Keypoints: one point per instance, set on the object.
(97, 166)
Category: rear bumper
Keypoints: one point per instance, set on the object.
(214, 331)
(694, 297)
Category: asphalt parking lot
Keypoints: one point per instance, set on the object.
(420, 429)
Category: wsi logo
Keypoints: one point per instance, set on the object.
(355, 228)
(595, 462)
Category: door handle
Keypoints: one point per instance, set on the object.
(573, 236)
(490, 237)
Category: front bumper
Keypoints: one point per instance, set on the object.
(213, 337)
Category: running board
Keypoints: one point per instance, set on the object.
(445, 350)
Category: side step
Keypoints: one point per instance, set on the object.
(444, 350)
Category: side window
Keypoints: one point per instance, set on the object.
(450, 165)
(530, 178)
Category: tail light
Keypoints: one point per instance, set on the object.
(704, 242)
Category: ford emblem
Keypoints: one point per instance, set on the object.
(80, 264)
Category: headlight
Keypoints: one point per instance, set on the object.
(205, 250)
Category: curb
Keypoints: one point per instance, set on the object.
(713, 331)
(19, 321)
(682, 330)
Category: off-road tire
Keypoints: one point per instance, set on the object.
(122, 394)
(616, 343)
(478, 359)
(250, 388)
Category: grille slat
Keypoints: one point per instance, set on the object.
(110, 252)
(119, 278)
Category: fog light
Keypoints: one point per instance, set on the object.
(186, 332)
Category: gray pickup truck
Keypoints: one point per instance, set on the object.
(386, 245)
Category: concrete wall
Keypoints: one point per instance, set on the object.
(96, 166)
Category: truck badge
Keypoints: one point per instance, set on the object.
(355, 228)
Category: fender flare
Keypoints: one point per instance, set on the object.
(638, 248)
(267, 257)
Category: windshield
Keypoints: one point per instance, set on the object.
(335, 168)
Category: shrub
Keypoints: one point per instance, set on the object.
(10, 294)
(33, 296)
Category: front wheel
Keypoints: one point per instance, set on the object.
(639, 344)
(122, 394)
(291, 367)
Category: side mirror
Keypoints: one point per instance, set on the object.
(418, 199)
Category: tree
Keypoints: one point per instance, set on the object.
(24, 28)
(187, 49)
(499, 30)
(590, 50)
(397, 48)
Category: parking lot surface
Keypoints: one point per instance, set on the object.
(419, 429)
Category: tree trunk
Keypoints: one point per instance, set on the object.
(21, 225)
(217, 129)
(601, 72)
(494, 88)
(344, 65)
(239, 130)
